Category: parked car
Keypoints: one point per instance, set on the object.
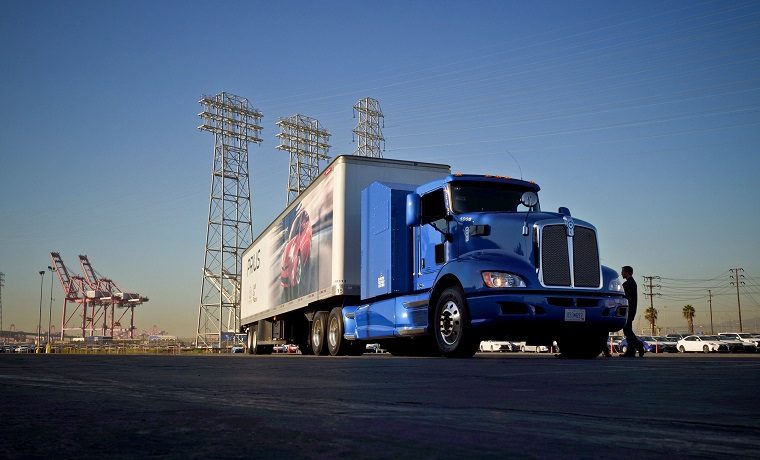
(524, 347)
(285, 348)
(651, 345)
(374, 348)
(238, 349)
(701, 343)
(677, 336)
(613, 342)
(495, 345)
(750, 343)
(670, 345)
(736, 345)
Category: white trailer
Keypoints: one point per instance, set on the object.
(308, 259)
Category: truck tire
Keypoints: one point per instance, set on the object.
(252, 340)
(253, 343)
(336, 344)
(586, 346)
(318, 334)
(453, 332)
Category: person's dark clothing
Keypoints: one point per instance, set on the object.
(632, 294)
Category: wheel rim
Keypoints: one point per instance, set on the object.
(332, 333)
(316, 334)
(450, 323)
(299, 270)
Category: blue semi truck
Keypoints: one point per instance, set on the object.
(425, 262)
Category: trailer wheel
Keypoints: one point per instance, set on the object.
(336, 344)
(252, 339)
(451, 326)
(253, 343)
(319, 333)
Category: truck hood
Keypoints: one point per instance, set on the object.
(503, 232)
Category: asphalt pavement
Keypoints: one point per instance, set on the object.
(377, 406)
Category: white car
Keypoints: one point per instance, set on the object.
(750, 343)
(496, 345)
(701, 343)
(524, 347)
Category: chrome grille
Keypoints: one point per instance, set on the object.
(569, 262)
(555, 259)
(585, 258)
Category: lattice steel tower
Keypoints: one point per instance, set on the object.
(306, 141)
(368, 131)
(234, 124)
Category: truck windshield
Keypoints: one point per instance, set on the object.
(487, 197)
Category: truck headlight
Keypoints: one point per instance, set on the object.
(616, 285)
(502, 280)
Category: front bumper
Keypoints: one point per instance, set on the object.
(546, 313)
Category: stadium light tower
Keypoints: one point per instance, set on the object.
(234, 124)
(368, 131)
(306, 141)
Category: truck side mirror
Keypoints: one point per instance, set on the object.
(412, 210)
(529, 199)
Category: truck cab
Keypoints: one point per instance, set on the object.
(489, 264)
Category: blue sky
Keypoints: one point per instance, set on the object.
(641, 117)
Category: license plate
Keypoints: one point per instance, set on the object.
(575, 314)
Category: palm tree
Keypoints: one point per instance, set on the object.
(689, 313)
(651, 316)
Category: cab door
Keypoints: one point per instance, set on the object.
(430, 243)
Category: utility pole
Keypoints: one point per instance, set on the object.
(736, 280)
(709, 299)
(649, 284)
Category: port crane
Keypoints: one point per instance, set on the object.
(93, 299)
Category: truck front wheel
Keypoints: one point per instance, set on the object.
(451, 326)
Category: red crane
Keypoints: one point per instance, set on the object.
(74, 291)
(112, 296)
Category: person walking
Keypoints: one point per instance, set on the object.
(632, 294)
